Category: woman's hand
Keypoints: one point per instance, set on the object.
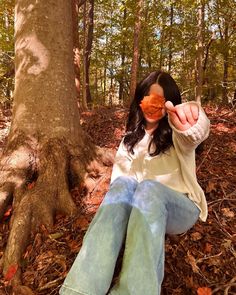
(182, 116)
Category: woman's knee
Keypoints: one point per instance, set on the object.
(149, 188)
(125, 181)
(121, 190)
(149, 194)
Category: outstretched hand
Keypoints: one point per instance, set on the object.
(182, 116)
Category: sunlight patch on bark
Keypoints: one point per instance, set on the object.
(20, 158)
(7, 177)
(3, 197)
(21, 16)
(21, 109)
(33, 54)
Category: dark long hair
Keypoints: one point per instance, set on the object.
(162, 136)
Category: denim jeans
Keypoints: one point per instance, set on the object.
(139, 214)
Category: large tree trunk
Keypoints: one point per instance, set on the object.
(134, 67)
(200, 50)
(45, 143)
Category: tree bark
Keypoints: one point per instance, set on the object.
(226, 63)
(88, 40)
(89, 48)
(45, 145)
(200, 50)
(170, 37)
(84, 98)
(75, 11)
(123, 52)
(134, 67)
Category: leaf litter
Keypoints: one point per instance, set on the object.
(201, 261)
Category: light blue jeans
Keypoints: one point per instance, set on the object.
(139, 214)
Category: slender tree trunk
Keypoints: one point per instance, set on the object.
(123, 52)
(147, 39)
(75, 11)
(137, 31)
(161, 59)
(105, 74)
(121, 88)
(84, 100)
(226, 63)
(170, 37)
(207, 52)
(96, 79)
(88, 50)
(200, 50)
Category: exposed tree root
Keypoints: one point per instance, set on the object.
(57, 167)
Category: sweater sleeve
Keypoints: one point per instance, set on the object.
(122, 163)
(189, 139)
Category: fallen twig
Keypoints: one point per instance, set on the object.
(226, 286)
(52, 284)
(203, 160)
(221, 200)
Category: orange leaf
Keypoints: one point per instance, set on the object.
(204, 291)
(8, 212)
(152, 106)
(208, 247)
(31, 185)
(11, 272)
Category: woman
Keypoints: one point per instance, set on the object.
(153, 191)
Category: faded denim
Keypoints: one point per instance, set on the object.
(141, 214)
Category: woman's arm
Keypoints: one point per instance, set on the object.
(189, 123)
(122, 163)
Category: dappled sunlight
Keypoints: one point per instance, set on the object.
(21, 14)
(33, 54)
(8, 178)
(21, 109)
(3, 197)
(19, 159)
(221, 127)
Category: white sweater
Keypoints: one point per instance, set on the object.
(175, 168)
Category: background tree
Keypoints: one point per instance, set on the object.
(137, 31)
(200, 51)
(6, 51)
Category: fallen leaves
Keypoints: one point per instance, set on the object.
(204, 291)
(227, 212)
(196, 236)
(204, 256)
(208, 247)
(192, 261)
(11, 272)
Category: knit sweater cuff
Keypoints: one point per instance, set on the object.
(197, 133)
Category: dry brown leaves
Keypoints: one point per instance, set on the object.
(201, 261)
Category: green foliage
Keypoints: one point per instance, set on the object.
(6, 49)
(162, 43)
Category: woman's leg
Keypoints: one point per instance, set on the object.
(157, 209)
(93, 269)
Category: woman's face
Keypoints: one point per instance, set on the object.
(155, 89)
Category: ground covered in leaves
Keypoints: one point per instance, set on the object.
(201, 261)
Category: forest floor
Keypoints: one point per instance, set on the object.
(201, 261)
